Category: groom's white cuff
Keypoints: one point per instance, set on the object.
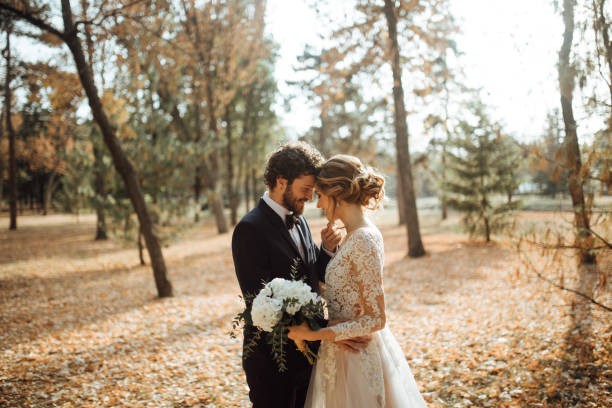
(327, 251)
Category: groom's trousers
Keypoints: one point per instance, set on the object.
(270, 388)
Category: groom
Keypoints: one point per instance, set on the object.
(264, 244)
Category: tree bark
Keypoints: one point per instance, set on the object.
(2, 122)
(401, 204)
(140, 247)
(33, 189)
(197, 191)
(581, 310)
(212, 175)
(443, 194)
(573, 161)
(101, 193)
(229, 182)
(324, 132)
(254, 186)
(11, 134)
(211, 166)
(121, 162)
(444, 145)
(247, 191)
(49, 189)
(98, 183)
(415, 245)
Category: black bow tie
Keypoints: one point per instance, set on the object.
(291, 220)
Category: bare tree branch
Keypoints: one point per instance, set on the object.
(562, 287)
(32, 19)
(607, 244)
(558, 246)
(105, 16)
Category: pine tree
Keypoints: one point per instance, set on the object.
(481, 165)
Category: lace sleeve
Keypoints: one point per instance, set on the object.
(366, 269)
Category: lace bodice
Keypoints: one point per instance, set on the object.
(354, 292)
(354, 287)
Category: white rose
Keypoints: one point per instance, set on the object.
(266, 311)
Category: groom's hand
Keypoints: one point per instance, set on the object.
(355, 344)
(331, 237)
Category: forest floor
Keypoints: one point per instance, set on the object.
(81, 325)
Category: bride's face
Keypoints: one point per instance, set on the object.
(325, 203)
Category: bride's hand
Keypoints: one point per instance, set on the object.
(331, 237)
(301, 332)
(353, 345)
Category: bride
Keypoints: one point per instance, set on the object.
(379, 375)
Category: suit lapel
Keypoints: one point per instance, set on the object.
(309, 250)
(279, 225)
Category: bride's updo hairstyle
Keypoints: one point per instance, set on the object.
(345, 178)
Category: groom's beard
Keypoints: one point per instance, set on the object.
(291, 203)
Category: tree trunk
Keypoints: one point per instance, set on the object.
(216, 205)
(1, 158)
(212, 175)
(33, 190)
(11, 133)
(98, 156)
(197, 191)
(324, 133)
(247, 191)
(248, 155)
(140, 247)
(229, 182)
(239, 178)
(573, 162)
(443, 197)
(49, 189)
(401, 204)
(443, 194)
(254, 186)
(415, 245)
(581, 330)
(101, 193)
(211, 166)
(121, 162)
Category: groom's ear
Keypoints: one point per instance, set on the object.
(281, 183)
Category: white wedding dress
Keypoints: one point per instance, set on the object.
(377, 376)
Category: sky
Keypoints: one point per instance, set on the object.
(510, 52)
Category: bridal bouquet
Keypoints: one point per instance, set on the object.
(279, 304)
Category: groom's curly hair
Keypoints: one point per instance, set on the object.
(292, 160)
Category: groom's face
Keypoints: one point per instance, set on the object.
(297, 193)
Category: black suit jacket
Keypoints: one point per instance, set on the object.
(263, 250)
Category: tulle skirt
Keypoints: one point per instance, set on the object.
(378, 376)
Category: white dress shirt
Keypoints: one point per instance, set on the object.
(282, 212)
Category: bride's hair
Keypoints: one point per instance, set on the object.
(345, 178)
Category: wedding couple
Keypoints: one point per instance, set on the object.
(359, 362)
